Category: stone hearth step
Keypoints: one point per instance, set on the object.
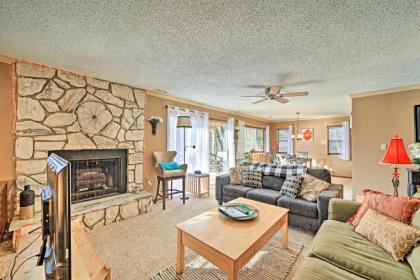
(101, 211)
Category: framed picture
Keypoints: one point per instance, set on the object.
(308, 134)
(417, 122)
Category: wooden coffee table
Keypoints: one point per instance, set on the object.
(230, 244)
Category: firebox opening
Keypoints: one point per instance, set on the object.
(96, 173)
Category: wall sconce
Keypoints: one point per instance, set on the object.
(154, 121)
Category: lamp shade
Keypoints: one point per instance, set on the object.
(183, 121)
(395, 153)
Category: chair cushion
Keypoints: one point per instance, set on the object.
(337, 243)
(299, 206)
(264, 195)
(173, 173)
(169, 165)
(236, 190)
(316, 269)
(273, 182)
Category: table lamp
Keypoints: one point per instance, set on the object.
(396, 156)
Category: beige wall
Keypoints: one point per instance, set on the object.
(375, 120)
(318, 149)
(155, 106)
(7, 112)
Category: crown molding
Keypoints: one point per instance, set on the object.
(384, 91)
(309, 118)
(194, 103)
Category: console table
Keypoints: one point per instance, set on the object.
(413, 181)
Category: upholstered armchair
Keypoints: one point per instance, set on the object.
(168, 156)
(168, 175)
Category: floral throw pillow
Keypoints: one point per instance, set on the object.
(312, 187)
(235, 174)
(251, 178)
(394, 237)
(291, 186)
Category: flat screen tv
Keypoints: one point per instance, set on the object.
(417, 122)
(56, 220)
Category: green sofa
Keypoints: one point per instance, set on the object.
(338, 252)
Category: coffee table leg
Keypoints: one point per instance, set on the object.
(284, 232)
(232, 273)
(180, 262)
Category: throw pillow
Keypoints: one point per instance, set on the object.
(291, 186)
(312, 187)
(169, 165)
(252, 178)
(399, 208)
(394, 237)
(235, 174)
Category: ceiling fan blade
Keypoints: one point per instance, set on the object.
(262, 96)
(294, 94)
(282, 100)
(301, 83)
(256, 102)
(256, 86)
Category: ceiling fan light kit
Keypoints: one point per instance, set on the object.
(297, 136)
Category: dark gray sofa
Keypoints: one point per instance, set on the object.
(302, 213)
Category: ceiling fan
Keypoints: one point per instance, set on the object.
(273, 93)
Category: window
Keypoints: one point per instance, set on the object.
(283, 139)
(254, 139)
(335, 140)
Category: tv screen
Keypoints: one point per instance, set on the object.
(417, 122)
(56, 200)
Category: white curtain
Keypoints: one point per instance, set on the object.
(345, 153)
(241, 140)
(198, 135)
(290, 148)
(267, 139)
(230, 135)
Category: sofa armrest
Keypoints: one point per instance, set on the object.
(221, 181)
(322, 203)
(341, 210)
(337, 187)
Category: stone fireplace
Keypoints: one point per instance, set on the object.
(86, 120)
(96, 173)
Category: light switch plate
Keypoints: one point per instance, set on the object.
(383, 147)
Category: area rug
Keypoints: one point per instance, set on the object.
(271, 262)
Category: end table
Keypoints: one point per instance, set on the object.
(198, 184)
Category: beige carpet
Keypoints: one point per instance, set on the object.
(140, 247)
(271, 262)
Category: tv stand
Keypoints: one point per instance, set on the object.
(86, 264)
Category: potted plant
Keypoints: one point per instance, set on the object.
(154, 121)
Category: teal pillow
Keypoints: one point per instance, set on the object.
(169, 165)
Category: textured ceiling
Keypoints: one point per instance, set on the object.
(209, 51)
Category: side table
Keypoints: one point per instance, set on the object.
(198, 184)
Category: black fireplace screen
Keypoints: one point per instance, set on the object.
(96, 173)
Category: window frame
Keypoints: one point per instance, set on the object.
(278, 139)
(328, 139)
(263, 139)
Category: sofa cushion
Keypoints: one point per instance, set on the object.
(235, 175)
(273, 182)
(298, 206)
(236, 190)
(316, 269)
(251, 178)
(320, 173)
(291, 186)
(337, 243)
(312, 187)
(264, 195)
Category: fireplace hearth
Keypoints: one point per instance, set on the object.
(96, 173)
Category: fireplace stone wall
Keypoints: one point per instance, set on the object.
(59, 110)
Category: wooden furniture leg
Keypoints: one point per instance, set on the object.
(284, 233)
(157, 190)
(232, 272)
(165, 186)
(180, 258)
(183, 190)
(172, 189)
